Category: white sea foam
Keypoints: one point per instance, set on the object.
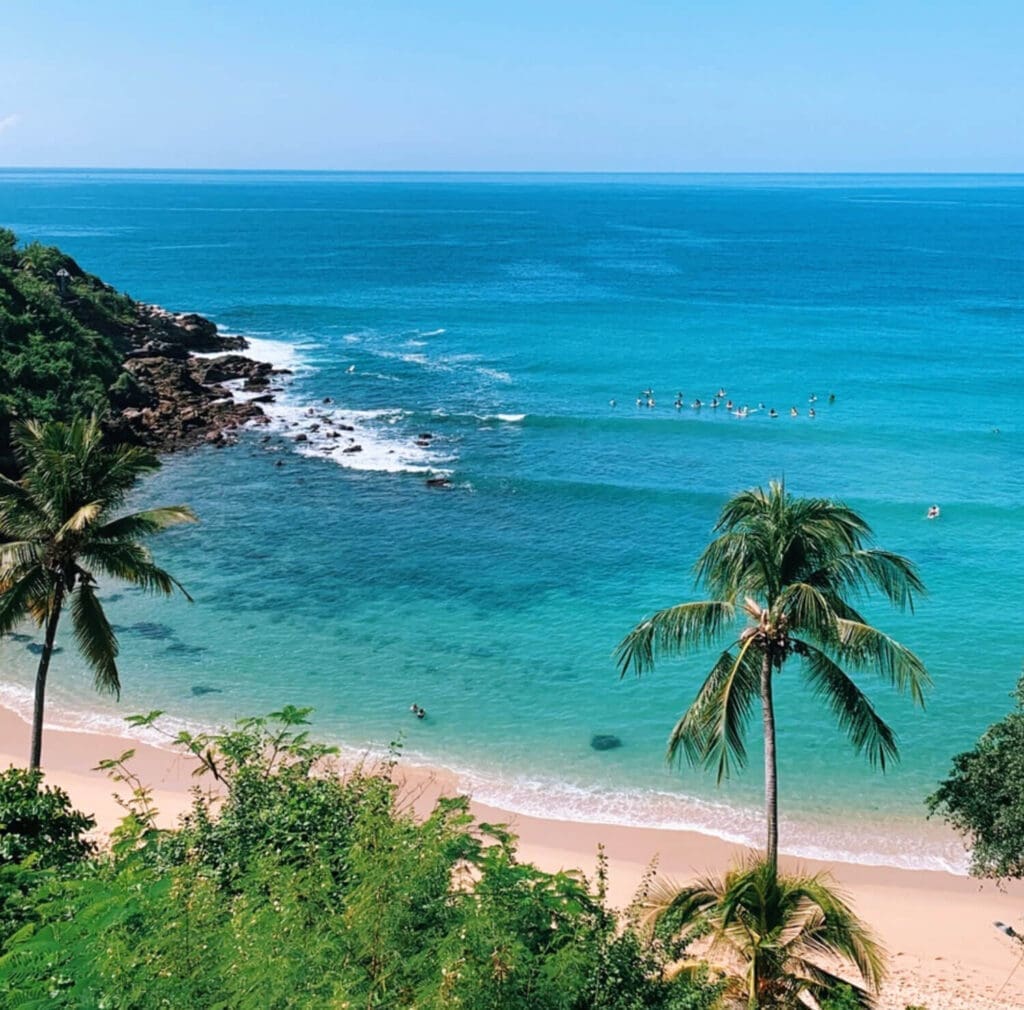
(434, 333)
(509, 418)
(276, 353)
(382, 448)
(384, 445)
(912, 846)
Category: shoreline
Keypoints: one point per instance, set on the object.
(896, 842)
(937, 926)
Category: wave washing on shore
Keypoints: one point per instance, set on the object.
(866, 844)
(503, 318)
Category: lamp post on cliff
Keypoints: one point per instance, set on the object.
(62, 280)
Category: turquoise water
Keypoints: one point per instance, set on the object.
(502, 314)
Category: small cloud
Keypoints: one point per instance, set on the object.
(7, 122)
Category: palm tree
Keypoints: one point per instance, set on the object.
(795, 562)
(770, 932)
(59, 530)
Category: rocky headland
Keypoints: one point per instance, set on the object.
(183, 375)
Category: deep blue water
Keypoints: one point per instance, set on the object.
(502, 314)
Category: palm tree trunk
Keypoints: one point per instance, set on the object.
(44, 667)
(771, 785)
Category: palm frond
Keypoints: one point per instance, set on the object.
(775, 929)
(675, 907)
(672, 632)
(131, 563)
(146, 523)
(840, 932)
(867, 730)
(807, 608)
(95, 637)
(866, 646)
(24, 593)
(15, 553)
(861, 570)
(711, 731)
(79, 519)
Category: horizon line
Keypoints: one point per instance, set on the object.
(507, 171)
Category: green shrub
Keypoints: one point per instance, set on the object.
(39, 820)
(293, 886)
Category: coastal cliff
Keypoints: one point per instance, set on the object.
(174, 399)
(71, 344)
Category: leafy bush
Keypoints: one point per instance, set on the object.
(39, 820)
(983, 798)
(843, 999)
(290, 885)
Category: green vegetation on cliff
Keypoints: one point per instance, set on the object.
(62, 338)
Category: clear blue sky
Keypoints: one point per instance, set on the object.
(691, 85)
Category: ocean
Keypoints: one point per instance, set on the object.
(503, 315)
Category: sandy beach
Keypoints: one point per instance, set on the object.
(945, 952)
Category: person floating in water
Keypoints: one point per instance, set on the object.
(611, 403)
(639, 401)
(831, 397)
(933, 512)
(715, 402)
(697, 404)
(773, 412)
(720, 393)
(417, 711)
(728, 405)
(812, 399)
(793, 412)
(678, 404)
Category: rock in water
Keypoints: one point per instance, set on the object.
(605, 741)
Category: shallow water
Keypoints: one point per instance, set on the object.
(501, 315)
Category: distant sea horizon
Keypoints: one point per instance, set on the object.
(518, 318)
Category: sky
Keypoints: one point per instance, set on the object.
(518, 85)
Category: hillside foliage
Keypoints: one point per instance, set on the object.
(60, 351)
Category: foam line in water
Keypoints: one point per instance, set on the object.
(384, 445)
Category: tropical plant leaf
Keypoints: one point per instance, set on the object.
(867, 730)
(868, 647)
(672, 632)
(95, 638)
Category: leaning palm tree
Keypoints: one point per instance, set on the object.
(778, 938)
(56, 531)
(796, 563)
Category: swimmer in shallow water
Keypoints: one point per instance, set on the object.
(793, 412)
(810, 412)
(933, 512)
(773, 412)
(728, 405)
(720, 393)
